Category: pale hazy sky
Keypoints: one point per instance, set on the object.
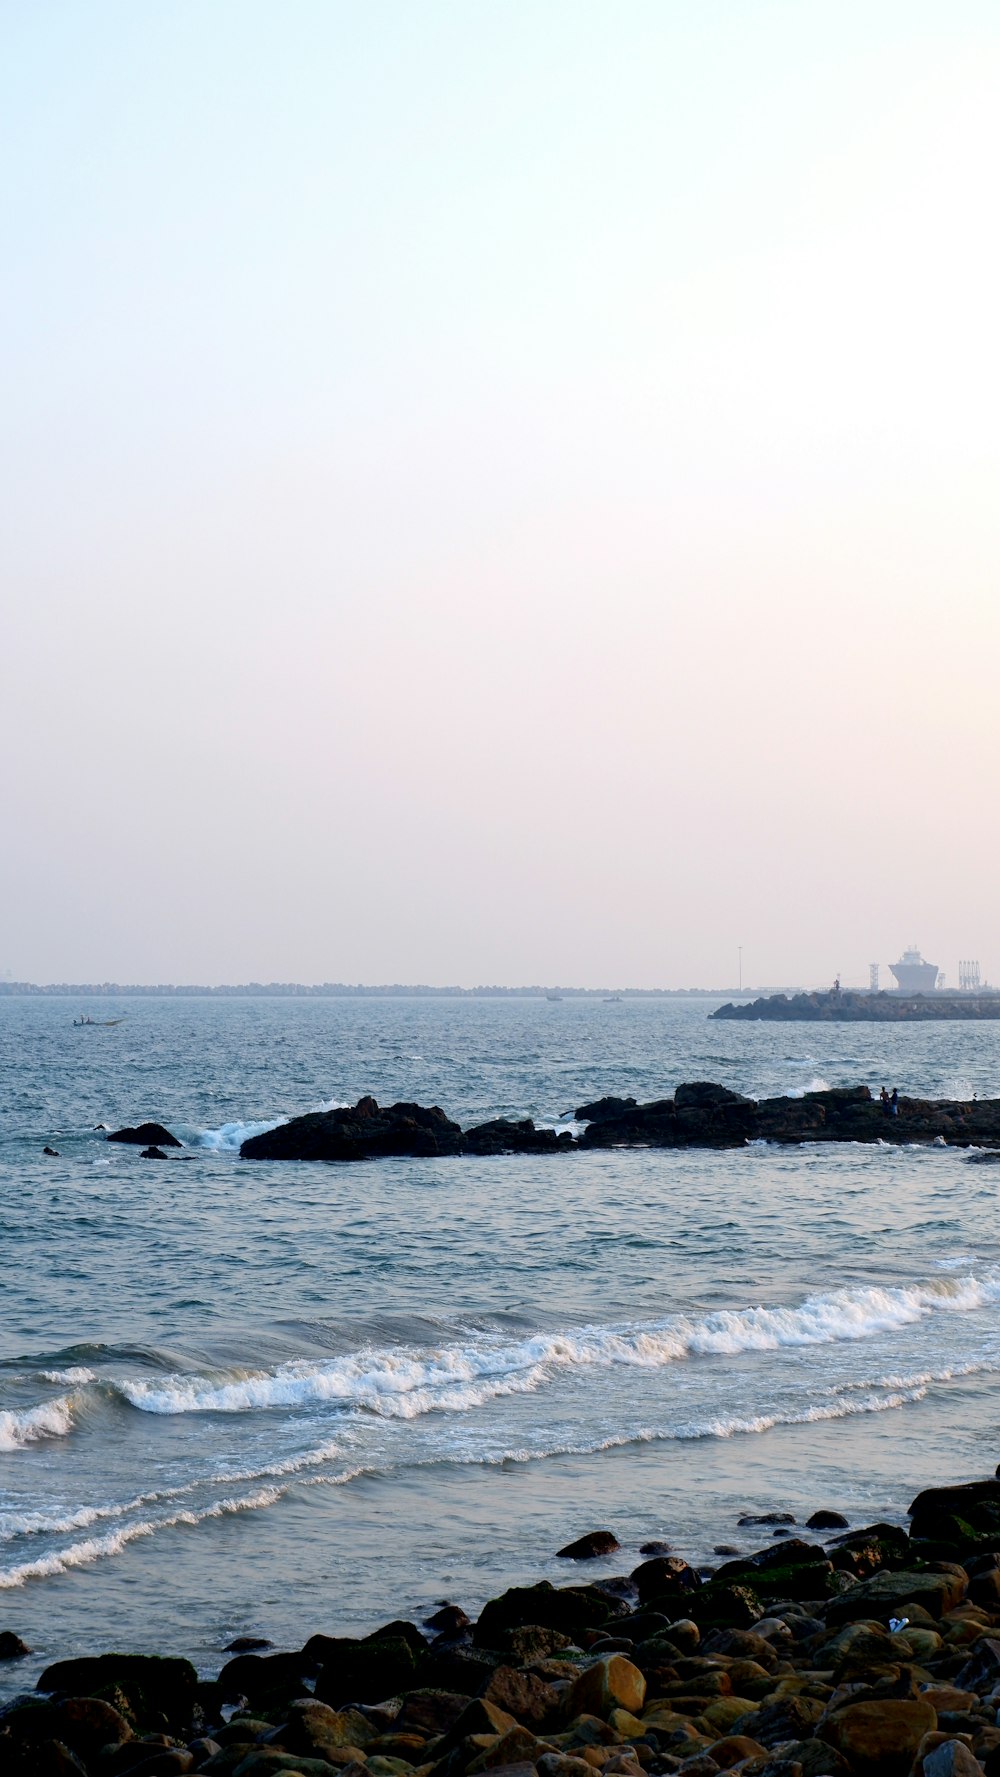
(498, 491)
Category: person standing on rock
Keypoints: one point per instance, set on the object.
(894, 1101)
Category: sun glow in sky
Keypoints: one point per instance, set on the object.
(498, 492)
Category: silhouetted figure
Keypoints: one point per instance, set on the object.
(894, 1102)
(883, 1099)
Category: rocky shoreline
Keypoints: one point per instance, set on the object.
(836, 1653)
(701, 1114)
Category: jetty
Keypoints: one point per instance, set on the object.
(845, 1006)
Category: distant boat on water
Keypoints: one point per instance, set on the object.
(612, 999)
(553, 996)
(99, 1023)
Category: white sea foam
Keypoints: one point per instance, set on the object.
(229, 1137)
(816, 1084)
(76, 1377)
(405, 1382)
(93, 1548)
(52, 1419)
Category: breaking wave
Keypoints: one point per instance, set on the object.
(229, 1137)
(52, 1419)
(404, 1383)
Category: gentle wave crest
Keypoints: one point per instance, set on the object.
(93, 1548)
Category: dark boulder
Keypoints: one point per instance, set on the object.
(247, 1644)
(951, 1513)
(523, 1695)
(53, 1153)
(11, 1646)
(159, 1690)
(750, 1518)
(449, 1619)
(587, 1548)
(369, 1672)
(503, 1136)
(665, 1576)
(720, 1606)
(569, 1610)
(265, 1680)
(826, 1521)
(366, 1131)
(459, 1668)
(85, 1725)
(643, 1125)
(146, 1135)
(603, 1108)
(706, 1095)
(152, 1154)
(430, 1712)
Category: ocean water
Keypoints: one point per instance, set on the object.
(243, 1397)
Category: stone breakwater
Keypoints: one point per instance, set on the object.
(843, 1006)
(870, 1652)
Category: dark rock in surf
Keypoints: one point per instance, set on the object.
(749, 1518)
(146, 1135)
(365, 1131)
(53, 1153)
(247, 1644)
(502, 1136)
(587, 1548)
(603, 1108)
(706, 1095)
(152, 1154)
(12, 1647)
(826, 1521)
(655, 1548)
(449, 1619)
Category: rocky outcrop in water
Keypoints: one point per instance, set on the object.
(701, 1114)
(146, 1135)
(874, 1654)
(365, 1131)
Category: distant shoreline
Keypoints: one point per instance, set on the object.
(345, 990)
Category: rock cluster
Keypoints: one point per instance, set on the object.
(875, 1655)
(700, 1114)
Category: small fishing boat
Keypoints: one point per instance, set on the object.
(99, 1023)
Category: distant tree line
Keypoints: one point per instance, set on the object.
(348, 990)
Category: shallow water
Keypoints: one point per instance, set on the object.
(248, 1397)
